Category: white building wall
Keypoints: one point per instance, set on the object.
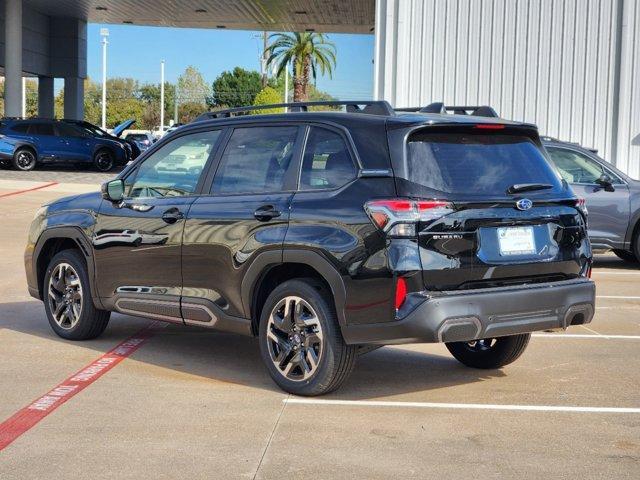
(570, 66)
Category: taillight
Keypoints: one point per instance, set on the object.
(401, 292)
(490, 126)
(398, 217)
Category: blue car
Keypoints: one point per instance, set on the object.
(28, 143)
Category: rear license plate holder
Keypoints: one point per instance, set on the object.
(516, 241)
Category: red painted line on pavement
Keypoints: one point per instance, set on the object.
(30, 415)
(18, 192)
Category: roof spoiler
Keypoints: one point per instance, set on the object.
(371, 107)
(441, 108)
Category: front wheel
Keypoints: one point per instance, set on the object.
(24, 159)
(103, 160)
(490, 353)
(68, 301)
(300, 339)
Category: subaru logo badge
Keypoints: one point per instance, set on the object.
(524, 204)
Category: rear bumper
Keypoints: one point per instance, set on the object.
(470, 315)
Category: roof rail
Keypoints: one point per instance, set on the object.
(441, 108)
(371, 107)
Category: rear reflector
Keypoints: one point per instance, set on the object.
(401, 292)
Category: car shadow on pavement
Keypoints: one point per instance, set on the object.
(234, 359)
(613, 262)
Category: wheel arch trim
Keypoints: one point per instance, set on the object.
(266, 260)
(76, 235)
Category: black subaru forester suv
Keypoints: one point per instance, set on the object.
(326, 234)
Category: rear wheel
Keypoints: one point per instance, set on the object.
(489, 353)
(103, 160)
(24, 159)
(68, 301)
(300, 339)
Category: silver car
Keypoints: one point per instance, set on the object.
(612, 198)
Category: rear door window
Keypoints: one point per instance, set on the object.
(255, 160)
(468, 164)
(41, 129)
(327, 162)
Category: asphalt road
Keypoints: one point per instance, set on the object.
(191, 403)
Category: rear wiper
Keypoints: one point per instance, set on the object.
(528, 187)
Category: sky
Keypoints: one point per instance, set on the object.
(136, 52)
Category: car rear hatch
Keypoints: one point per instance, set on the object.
(490, 210)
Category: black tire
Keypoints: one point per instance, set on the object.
(103, 160)
(335, 359)
(90, 322)
(626, 255)
(24, 159)
(490, 353)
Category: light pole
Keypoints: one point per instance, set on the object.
(286, 87)
(161, 97)
(104, 32)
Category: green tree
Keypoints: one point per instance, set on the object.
(149, 94)
(308, 52)
(267, 96)
(236, 88)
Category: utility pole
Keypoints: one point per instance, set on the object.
(286, 87)
(263, 62)
(176, 96)
(161, 97)
(105, 33)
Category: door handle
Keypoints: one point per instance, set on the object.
(172, 215)
(266, 213)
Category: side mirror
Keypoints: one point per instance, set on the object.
(113, 190)
(605, 182)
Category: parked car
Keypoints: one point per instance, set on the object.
(326, 234)
(612, 198)
(142, 138)
(27, 143)
(114, 135)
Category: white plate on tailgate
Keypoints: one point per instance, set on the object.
(516, 241)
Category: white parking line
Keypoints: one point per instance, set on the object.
(598, 336)
(459, 406)
(601, 272)
(618, 297)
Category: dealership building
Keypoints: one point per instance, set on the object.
(570, 66)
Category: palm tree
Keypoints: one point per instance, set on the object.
(309, 52)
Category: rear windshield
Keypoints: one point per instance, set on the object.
(136, 136)
(476, 165)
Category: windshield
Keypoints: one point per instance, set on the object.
(468, 164)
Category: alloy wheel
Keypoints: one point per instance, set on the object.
(104, 163)
(481, 345)
(294, 338)
(65, 296)
(25, 160)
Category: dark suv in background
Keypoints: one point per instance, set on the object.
(24, 144)
(612, 198)
(326, 234)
